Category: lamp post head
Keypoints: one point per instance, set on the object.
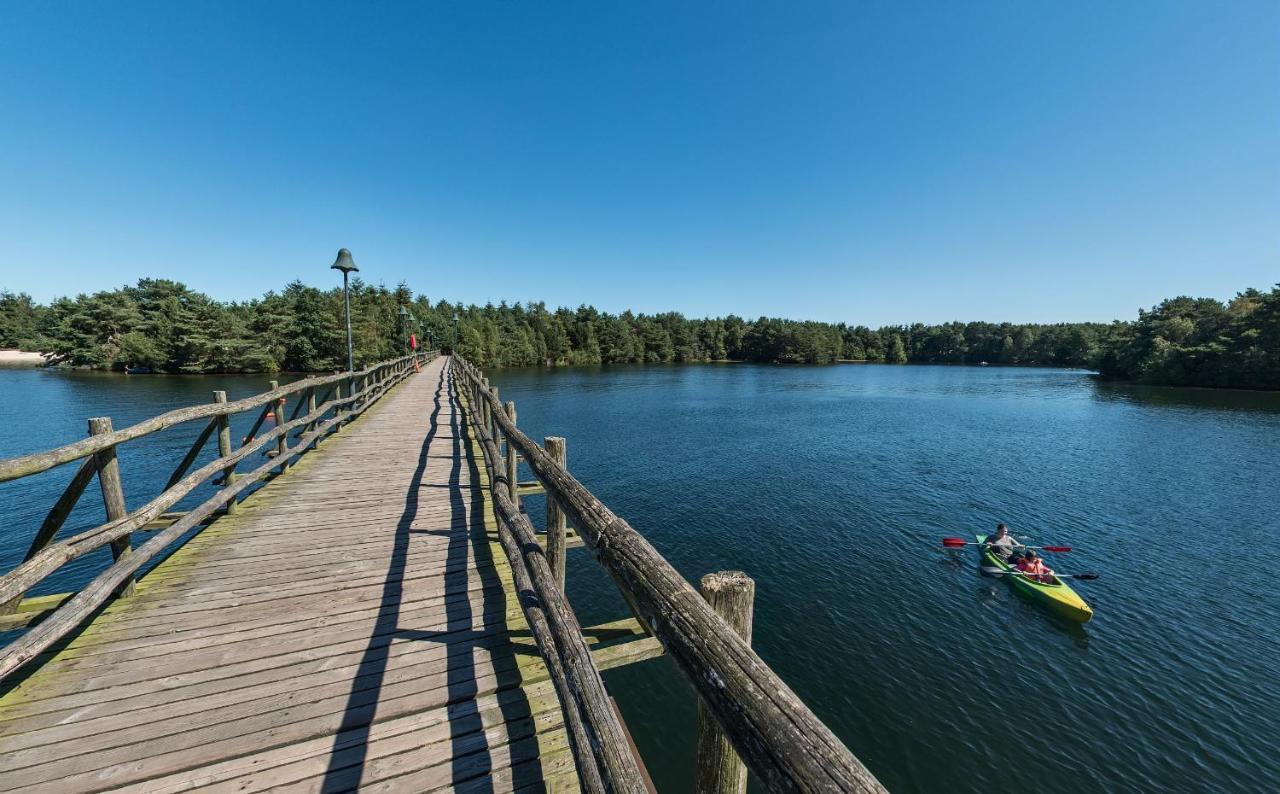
(344, 262)
(404, 313)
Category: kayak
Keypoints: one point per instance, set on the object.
(1055, 595)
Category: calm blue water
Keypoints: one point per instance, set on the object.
(832, 487)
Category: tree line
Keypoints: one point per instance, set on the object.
(163, 326)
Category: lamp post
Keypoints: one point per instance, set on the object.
(455, 331)
(347, 265)
(405, 317)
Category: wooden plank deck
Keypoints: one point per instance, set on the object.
(353, 625)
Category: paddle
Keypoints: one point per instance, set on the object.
(955, 543)
(1002, 572)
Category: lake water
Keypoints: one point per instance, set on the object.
(832, 487)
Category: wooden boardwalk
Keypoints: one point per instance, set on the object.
(352, 625)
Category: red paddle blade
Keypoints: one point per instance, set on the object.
(1056, 548)
(953, 542)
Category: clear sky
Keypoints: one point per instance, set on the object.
(872, 162)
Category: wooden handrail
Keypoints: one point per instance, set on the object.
(51, 557)
(26, 465)
(598, 740)
(778, 737)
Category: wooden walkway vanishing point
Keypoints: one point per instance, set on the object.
(357, 624)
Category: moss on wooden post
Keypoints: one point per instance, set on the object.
(556, 524)
(282, 443)
(112, 494)
(511, 458)
(224, 448)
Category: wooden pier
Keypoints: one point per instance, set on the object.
(380, 614)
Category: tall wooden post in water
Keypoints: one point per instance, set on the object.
(511, 458)
(732, 595)
(556, 524)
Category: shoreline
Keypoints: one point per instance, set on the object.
(21, 358)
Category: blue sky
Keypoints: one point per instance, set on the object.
(871, 162)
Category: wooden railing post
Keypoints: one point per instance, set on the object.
(311, 408)
(112, 494)
(282, 443)
(337, 395)
(493, 420)
(732, 595)
(224, 448)
(556, 524)
(511, 458)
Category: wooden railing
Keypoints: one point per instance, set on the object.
(749, 712)
(344, 396)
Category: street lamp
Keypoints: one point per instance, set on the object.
(455, 331)
(347, 265)
(406, 319)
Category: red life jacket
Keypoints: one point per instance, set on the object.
(1035, 570)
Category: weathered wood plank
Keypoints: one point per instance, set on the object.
(332, 632)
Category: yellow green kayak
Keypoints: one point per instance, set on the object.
(1055, 595)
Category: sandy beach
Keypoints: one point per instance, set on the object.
(20, 358)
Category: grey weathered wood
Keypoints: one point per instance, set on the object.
(224, 448)
(56, 555)
(781, 740)
(255, 705)
(337, 411)
(120, 574)
(54, 520)
(556, 525)
(13, 468)
(489, 411)
(308, 398)
(512, 483)
(62, 508)
(112, 495)
(720, 771)
(582, 693)
(277, 413)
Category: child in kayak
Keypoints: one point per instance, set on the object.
(1034, 567)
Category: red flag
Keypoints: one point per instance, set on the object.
(413, 341)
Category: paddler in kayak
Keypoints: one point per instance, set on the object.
(1034, 567)
(1002, 543)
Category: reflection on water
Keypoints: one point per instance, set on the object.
(1182, 397)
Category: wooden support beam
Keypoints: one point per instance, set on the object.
(720, 771)
(556, 524)
(529, 488)
(32, 610)
(282, 443)
(56, 517)
(193, 453)
(571, 540)
(511, 459)
(112, 495)
(224, 448)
